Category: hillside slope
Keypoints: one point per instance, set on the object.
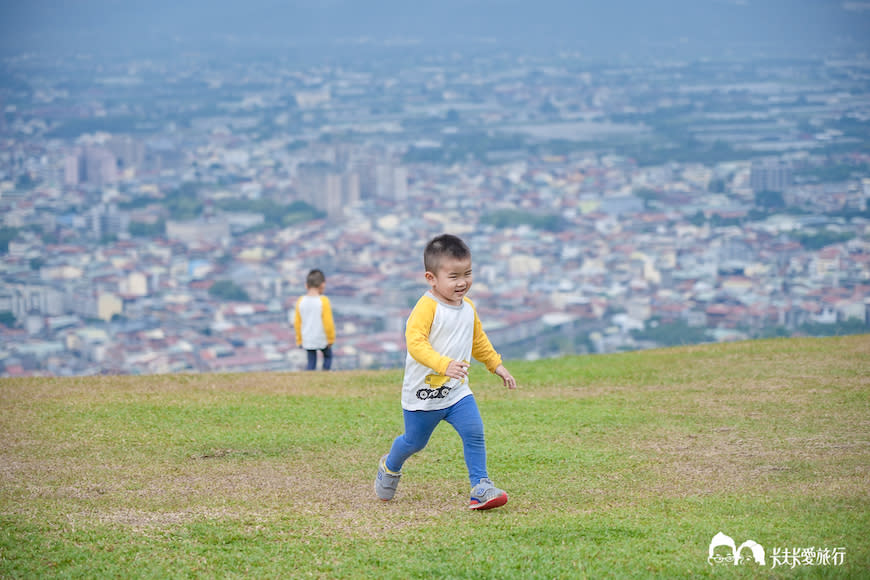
(619, 465)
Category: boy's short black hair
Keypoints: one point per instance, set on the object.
(314, 279)
(444, 245)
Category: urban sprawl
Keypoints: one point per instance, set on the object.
(160, 216)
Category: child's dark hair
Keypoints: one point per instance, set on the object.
(314, 279)
(443, 245)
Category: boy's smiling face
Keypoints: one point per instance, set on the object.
(452, 281)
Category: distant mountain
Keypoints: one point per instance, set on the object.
(601, 29)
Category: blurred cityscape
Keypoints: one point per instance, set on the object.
(160, 215)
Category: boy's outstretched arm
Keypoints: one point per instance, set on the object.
(483, 351)
(508, 379)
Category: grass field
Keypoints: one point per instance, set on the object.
(617, 466)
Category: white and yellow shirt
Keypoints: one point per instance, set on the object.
(315, 328)
(437, 333)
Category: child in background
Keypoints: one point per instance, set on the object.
(315, 329)
(442, 334)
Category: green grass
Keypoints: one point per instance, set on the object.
(617, 466)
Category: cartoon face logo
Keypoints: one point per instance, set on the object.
(734, 555)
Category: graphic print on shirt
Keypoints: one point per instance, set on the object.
(438, 388)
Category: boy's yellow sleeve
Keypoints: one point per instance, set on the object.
(417, 337)
(328, 322)
(481, 348)
(297, 323)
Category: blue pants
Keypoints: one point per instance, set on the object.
(419, 425)
(327, 359)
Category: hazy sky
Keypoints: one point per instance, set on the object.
(699, 27)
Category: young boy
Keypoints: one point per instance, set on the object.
(442, 334)
(315, 329)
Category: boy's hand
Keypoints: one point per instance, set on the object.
(508, 379)
(457, 369)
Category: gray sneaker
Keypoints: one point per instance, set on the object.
(486, 496)
(386, 481)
